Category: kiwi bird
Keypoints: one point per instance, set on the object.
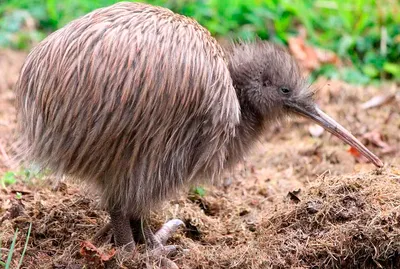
(140, 102)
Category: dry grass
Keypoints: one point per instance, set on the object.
(341, 222)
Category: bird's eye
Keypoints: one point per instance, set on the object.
(285, 90)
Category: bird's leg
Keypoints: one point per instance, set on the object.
(137, 230)
(122, 232)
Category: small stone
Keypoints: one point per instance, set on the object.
(315, 130)
(313, 206)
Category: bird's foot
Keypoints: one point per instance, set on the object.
(157, 242)
(140, 231)
(167, 230)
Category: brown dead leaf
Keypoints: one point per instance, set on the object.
(353, 151)
(304, 54)
(93, 255)
(310, 57)
(378, 101)
(375, 138)
(357, 155)
(327, 56)
(108, 256)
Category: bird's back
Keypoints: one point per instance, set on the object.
(133, 98)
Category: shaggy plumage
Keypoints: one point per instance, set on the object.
(133, 98)
(140, 101)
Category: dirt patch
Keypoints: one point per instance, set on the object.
(298, 201)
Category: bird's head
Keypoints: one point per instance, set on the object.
(270, 86)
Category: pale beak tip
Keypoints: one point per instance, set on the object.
(379, 163)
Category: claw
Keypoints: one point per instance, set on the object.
(168, 229)
(168, 264)
(164, 251)
(102, 234)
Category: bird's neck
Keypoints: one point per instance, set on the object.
(247, 132)
(252, 123)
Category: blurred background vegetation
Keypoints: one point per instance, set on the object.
(365, 34)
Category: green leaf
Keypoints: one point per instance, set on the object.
(18, 196)
(370, 70)
(392, 68)
(11, 250)
(199, 191)
(8, 178)
(354, 76)
(25, 246)
(344, 44)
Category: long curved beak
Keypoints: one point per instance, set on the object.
(329, 124)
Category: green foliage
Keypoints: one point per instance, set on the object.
(14, 33)
(8, 262)
(200, 191)
(24, 174)
(366, 32)
(8, 178)
(18, 195)
(11, 251)
(25, 246)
